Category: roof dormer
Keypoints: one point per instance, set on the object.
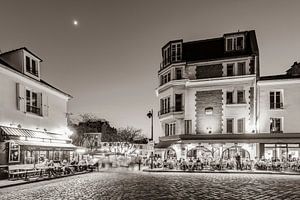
(23, 61)
(31, 64)
(234, 41)
(171, 53)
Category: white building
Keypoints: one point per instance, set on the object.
(33, 113)
(214, 102)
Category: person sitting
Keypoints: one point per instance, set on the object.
(51, 168)
(190, 164)
(65, 167)
(199, 164)
(184, 165)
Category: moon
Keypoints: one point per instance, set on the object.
(75, 22)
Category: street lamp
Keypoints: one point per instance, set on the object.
(150, 116)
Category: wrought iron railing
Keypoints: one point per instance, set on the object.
(170, 110)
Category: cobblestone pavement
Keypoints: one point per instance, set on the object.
(145, 185)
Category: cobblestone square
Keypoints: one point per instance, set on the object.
(144, 185)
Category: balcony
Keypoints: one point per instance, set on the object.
(33, 109)
(170, 111)
(276, 106)
(165, 63)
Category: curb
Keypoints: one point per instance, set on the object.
(40, 180)
(223, 172)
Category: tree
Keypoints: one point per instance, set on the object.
(89, 123)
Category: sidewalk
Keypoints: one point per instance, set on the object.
(225, 171)
(9, 183)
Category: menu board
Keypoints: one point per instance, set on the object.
(14, 152)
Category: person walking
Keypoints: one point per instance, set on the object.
(238, 162)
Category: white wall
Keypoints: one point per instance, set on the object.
(291, 105)
(56, 120)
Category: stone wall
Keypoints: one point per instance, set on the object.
(209, 71)
(206, 122)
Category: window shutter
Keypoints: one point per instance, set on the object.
(21, 101)
(45, 106)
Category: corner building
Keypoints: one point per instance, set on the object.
(210, 100)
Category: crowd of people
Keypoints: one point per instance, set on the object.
(235, 162)
(55, 168)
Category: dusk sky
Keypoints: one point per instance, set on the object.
(109, 61)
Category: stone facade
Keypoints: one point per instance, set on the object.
(209, 71)
(207, 121)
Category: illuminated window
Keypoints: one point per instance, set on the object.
(14, 152)
(276, 125)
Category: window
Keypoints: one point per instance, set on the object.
(31, 66)
(241, 97)
(172, 128)
(187, 126)
(229, 97)
(28, 67)
(239, 43)
(241, 125)
(164, 106)
(276, 100)
(229, 125)
(241, 68)
(32, 105)
(229, 44)
(176, 52)
(276, 125)
(235, 43)
(178, 102)
(167, 129)
(165, 78)
(178, 74)
(230, 70)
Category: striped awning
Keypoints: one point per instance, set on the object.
(43, 144)
(9, 131)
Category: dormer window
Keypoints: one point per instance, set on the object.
(172, 52)
(235, 43)
(31, 66)
(176, 52)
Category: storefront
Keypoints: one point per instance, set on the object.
(227, 146)
(280, 151)
(22, 146)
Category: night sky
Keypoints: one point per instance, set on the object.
(109, 61)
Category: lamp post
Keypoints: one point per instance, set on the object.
(150, 116)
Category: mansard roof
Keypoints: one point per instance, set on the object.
(214, 49)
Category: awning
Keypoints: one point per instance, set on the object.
(9, 131)
(236, 138)
(164, 144)
(43, 144)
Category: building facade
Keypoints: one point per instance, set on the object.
(214, 103)
(33, 113)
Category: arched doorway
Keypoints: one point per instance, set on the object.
(170, 154)
(231, 152)
(200, 152)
